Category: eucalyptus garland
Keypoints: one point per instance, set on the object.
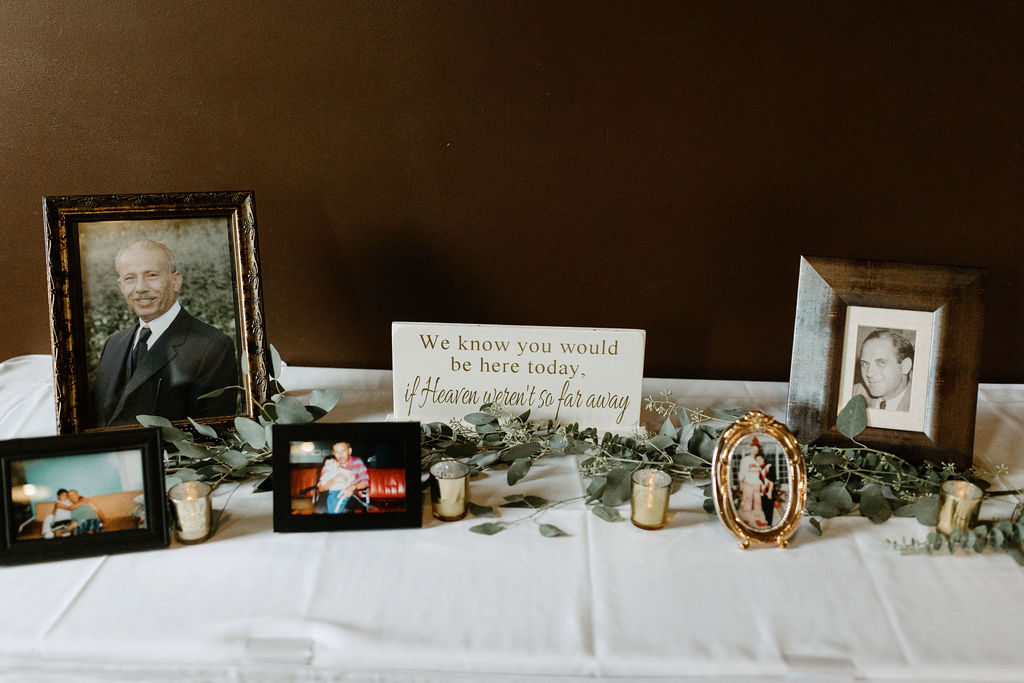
(856, 479)
(840, 481)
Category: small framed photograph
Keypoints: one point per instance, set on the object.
(82, 495)
(330, 477)
(760, 483)
(906, 337)
(155, 303)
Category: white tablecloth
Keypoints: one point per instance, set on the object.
(442, 604)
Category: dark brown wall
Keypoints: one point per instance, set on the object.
(651, 165)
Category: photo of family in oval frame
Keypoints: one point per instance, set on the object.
(760, 485)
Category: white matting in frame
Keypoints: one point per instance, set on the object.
(896, 390)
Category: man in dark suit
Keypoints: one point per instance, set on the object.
(165, 363)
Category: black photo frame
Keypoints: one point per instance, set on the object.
(122, 507)
(220, 340)
(829, 292)
(390, 495)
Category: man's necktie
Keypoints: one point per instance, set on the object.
(141, 346)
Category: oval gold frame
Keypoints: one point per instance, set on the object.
(754, 423)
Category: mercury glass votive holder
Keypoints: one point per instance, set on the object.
(192, 507)
(649, 498)
(959, 504)
(449, 490)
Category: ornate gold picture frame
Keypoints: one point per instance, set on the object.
(759, 480)
(187, 263)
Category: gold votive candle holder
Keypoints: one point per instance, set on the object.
(449, 490)
(959, 504)
(193, 506)
(649, 498)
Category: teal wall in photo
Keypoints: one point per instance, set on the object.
(91, 474)
(654, 165)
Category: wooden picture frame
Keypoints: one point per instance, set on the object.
(209, 238)
(756, 499)
(313, 491)
(113, 482)
(895, 300)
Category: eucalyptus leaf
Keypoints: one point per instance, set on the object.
(171, 481)
(325, 399)
(853, 418)
(558, 442)
(661, 442)
(873, 504)
(217, 392)
(519, 501)
(835, 494)
(595, 488)
(251, 431)
(668, 429)
(522, 450)
(461, 449)
(234, 459)
(823, 509)
(291, 411)
(925, 509)
(608, 514)
(487, 528)
(205, 430)
(192, 450)
(153, 421)
(550, 531)
(477, 419)
(686, 435)
(687, 459)
(481, 510)
(617, 487)
(211, 471)
(703, 443)
(823, 458)
(186, 474)
(518, 470)
(174, 435)
(484, 459)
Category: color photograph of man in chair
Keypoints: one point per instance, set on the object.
(344, 477)
(77, 495)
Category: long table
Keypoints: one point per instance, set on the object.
(443, 604)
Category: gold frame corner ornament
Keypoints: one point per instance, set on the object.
(754, 423)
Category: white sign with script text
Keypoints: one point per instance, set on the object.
(567, 374)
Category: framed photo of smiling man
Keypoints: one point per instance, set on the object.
(905, 337)
(155, 304)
